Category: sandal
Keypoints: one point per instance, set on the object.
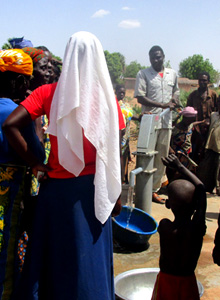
(157, 199)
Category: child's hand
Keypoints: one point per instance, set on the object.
(117, 208)
(171, 161)
(206, 122)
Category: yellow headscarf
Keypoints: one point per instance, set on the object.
(16, 60)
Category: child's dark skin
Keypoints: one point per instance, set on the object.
(181, 239)
(216, 250)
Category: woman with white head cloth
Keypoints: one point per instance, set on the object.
(70, 254)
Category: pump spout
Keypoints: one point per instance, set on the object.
(133, 173)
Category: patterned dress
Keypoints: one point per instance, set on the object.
(127, 115)
(13, 189)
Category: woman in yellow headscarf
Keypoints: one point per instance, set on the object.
(16, 67)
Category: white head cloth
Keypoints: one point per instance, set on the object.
(84, 100)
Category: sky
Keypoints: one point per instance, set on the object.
(131, 27)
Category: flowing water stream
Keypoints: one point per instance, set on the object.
(130, 203)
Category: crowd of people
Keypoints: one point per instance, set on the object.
(69, 224)
(187, 163)
(64, 153)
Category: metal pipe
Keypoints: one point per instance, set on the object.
(164, 112)
(144, 183)
(133, 173)
(145, 160)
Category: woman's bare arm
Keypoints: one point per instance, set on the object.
(12, 126)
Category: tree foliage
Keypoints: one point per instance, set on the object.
(132, 69)
(116, 64)
(56, 57)
(7, 45)
(167, 64)
(192, 66)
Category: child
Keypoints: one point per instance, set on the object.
(180, 144)
(182, 131)
(181, 239)
(128, 115)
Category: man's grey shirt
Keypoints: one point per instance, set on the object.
(149, 83)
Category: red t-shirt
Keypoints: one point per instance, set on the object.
(39, 103)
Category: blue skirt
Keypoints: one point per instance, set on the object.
(70, 255)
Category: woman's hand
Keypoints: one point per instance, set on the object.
(40, 171)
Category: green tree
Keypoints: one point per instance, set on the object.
(56, 57)
(184, 96)
(193, 65)
(7, 45)
(132, 69)
(167, 64)
(116, 64)
(122, 60)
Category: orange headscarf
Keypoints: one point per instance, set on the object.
(16, 60)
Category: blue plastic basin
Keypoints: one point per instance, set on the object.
(139, 229)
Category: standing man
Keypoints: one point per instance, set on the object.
(204, 101)
(157, 89)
